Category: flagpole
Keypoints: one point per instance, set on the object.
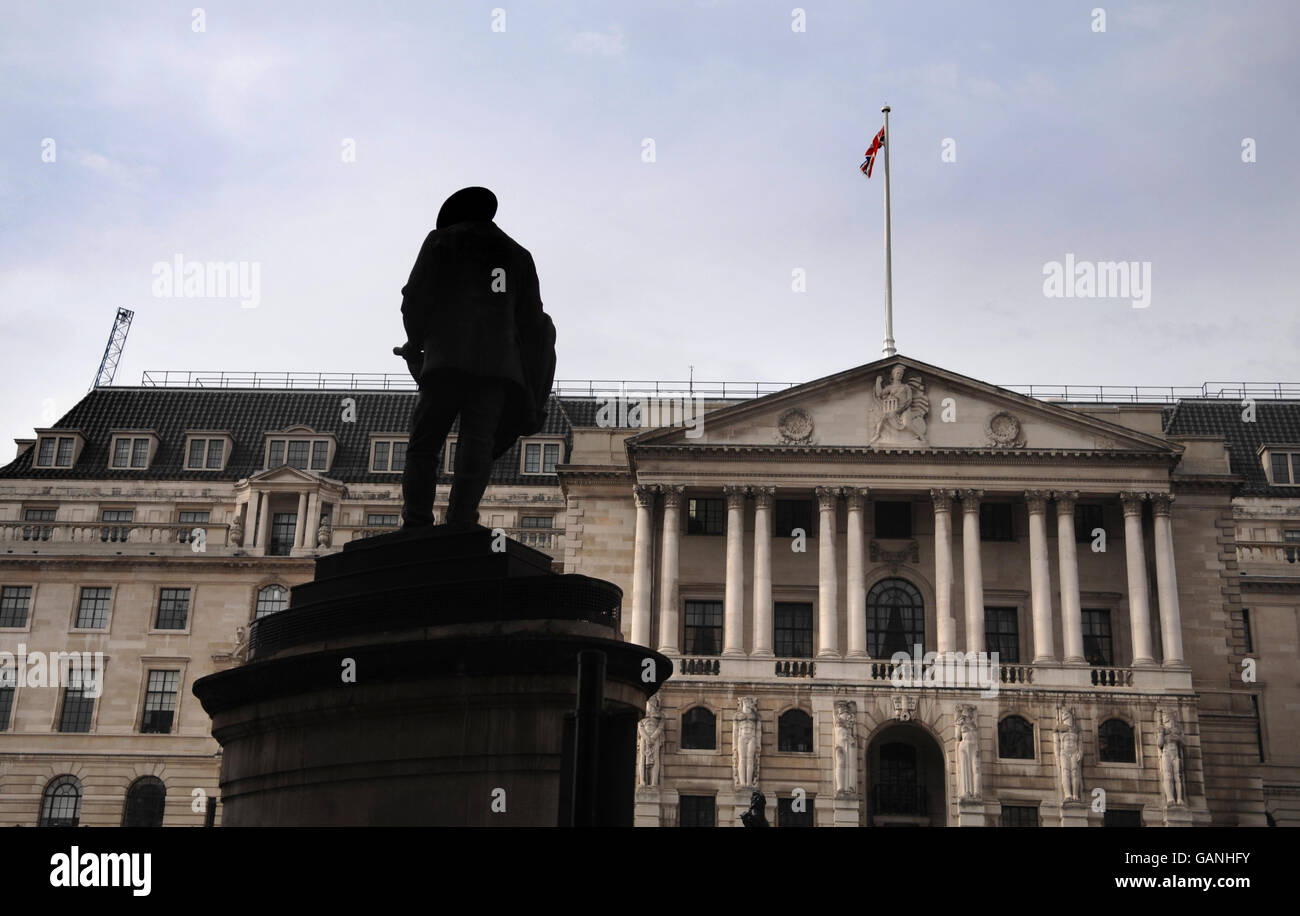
(890, 350)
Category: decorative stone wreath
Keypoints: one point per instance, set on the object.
(1004, 430)
(795, 427)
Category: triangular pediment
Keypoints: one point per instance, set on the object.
(901, 404)
(284, 474)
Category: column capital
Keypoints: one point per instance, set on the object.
(856, 497)
(943, 499)
(970, 500)
(827, 497)
(735, 496)
(763, 496)
(1065, 501)
(672, 494)
(1132, 501)
(644, 494)
(1161, 503)
(1037, 500)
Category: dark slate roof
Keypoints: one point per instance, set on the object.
(248, 414)
(1276, 423)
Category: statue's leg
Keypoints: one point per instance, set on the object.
(479, 416)
(435, 409)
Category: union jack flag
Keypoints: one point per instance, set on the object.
(872, 150)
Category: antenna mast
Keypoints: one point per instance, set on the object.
(113, 352)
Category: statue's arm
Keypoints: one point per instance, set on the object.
(419, 291)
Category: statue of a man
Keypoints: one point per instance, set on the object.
(747, 738)
(237, 530)
(479, 346)
(1169, 741)
(968, 753)
(846, 747)
(755, 816)
(1068, 744)
(649, 743)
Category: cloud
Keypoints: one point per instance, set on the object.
(605, 44)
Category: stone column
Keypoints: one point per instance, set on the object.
(1139, 610)
(973, 592)
(300, 521)
(643, 552)
(763, 497)
(1040, 579)
(669, 594)
(263, 520)
(944, 622)
(313, 519)
(828, 596)
(1171, 618)
(1071, 613)
(733, 624)
(857, 583)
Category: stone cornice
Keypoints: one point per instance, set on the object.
(883, 454)
(132, 561)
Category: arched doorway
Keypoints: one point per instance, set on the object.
(906, 779)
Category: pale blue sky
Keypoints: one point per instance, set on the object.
(226, 145)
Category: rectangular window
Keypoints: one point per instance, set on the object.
(45, 455)
(1281, 468)
(284, 526)
(121, 532)
(995, 522)
(893, 519)
(786, 816)
(1002, 634)
(537, 521)
(696, 811)
(197, 447)
(92, 609)
(1087, 519)
(139, 453)
(1019, 816)
(173, 609)
(1259, 728)
(1097, 647)
(380, 520)
(792, 630)
(1245, 628)
(160, 702)
(532, 458)
(195, 518)
(275, 454)
(78, 709)
(381, 456)
(122, 453)
(64, 457)
(703, 628)
(6, 702)
(298, 455)
(791, 514)
(320, 452)
(451, 455)
(15, 601)
(38, 532)
(399, 456)
(216, 451)
(1121, 817)
(706, 515)
(550, 457)
(39, 515)
(1290, 537)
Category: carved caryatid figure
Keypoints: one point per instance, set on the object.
(968, 753)
(747, 739)
(324, 532)
(903, 406)
(240, 651)
(237, 530)
(649, 743)
(1169, 741)
(846, 747)
(1068, 744)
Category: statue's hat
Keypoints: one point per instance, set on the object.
(466, 204)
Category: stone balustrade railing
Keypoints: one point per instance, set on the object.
(547, 540)
(36, 534)
(1280, 554)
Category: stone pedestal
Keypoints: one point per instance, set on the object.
(845, 812)
(429, 678)
(1074, 814)
(1178, 816)
(741, 805)
(649, 807)
(970, 813)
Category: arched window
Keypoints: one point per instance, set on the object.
(1015, 739)
(1115, 742)
(794, 732)
(895, 618)
(61, 805)
(144, 803)
(699, 730)
(271, 599)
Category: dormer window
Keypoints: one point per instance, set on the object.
(207, 451)
(300, 447)
(132, 449)
(388, 454)
(58, 448)
(1282, 464)
(541, 457)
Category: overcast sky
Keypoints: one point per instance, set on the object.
(228, 144)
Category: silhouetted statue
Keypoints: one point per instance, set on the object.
(479, 345)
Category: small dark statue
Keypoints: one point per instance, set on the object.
(479, 346)
(754, 817)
